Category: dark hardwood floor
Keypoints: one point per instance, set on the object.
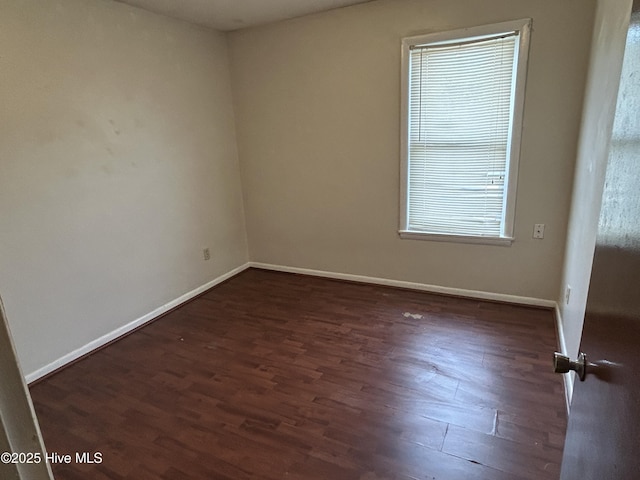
(280, 376)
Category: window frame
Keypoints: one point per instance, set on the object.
(523, 27)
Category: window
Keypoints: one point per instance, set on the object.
(463, 95)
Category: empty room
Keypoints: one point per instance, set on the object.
(319, 239)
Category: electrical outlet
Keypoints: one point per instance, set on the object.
(206, 254)
(538, 230)
(567, 294)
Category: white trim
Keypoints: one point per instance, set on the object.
(477, 294)
(469, 33)
(516, 126)
(18, 421)
(405, 55)
(567, 377)
(458, 292)
(123, 330)
(439, 237)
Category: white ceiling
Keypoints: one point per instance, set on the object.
(228, 15)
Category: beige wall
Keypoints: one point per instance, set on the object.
(609, 34)
(317, 108)
(118, 165)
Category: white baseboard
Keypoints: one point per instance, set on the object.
(458, 292)
(569, 378)
(119, 332)
(477, 294)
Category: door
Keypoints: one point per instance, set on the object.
(603, 436)
(21, 448)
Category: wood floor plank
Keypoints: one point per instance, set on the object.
(274, 376)
(529, 461)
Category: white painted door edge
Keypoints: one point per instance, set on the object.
(18, 419)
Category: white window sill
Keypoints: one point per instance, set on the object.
(438, 237)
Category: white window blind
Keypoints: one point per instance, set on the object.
(460, 114)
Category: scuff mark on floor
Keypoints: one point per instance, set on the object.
(496, 420)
